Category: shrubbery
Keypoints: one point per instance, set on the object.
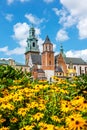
(8, 74)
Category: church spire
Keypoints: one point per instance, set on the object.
(47, 40)
(62, 51)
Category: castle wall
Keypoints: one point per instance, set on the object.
(49, 74)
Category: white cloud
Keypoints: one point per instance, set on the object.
(33, 19)
(57, 12)
(75, 7)
(82, 27)
(21, 32)
(37, 31)
(9, 17)
(78, 53)
(61, 35)
(4, 49)
(54, 46)
(40, 42)
(11, 1)
(75, 14)
(68, 21)
(24, 0)
(60, 12)
(48, 1)
(16, 51)
(5, 58)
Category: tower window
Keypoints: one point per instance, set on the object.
(32, 33)
(49, 55)
(49, 62)
(46, 48)
(74, 67)
(49, 48)
(33, 44)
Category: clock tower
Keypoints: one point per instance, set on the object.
(32, 46)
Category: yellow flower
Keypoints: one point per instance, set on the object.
(66, 106)
(81, 106)
(13, 120)
(38, 116)
(22, 111)
(5, 92)
(17, 97)
(75, 122)
(47, 127)
(78, 100)
(27, 128)
(60, 128)
(33, 104)
(0, 115)
(7, 105)
(41, 106)
(2, 120)
(64, 91)
(4, 128)
(56, 119)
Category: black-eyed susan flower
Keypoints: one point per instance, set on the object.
(22, 111)
(38, 116)
(4, 128)
(14, 120)
(56, 119)
(28, 127)
(75, 122)
(66, 106)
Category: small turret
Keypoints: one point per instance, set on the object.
(62, 51)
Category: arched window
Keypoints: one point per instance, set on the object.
(46, 48)
(33, 44)
(49, 62)
(80, 69)
(74, 67)
(85, 70)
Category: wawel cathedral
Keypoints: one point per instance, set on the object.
(45, 65)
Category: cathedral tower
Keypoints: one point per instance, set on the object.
(48, 63)
(32, 46)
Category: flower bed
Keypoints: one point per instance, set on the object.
(42, 106)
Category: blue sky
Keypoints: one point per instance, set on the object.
(64, 21)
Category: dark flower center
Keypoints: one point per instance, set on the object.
(72, 119)
(77, 122)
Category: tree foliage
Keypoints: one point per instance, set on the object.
(8, 74)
